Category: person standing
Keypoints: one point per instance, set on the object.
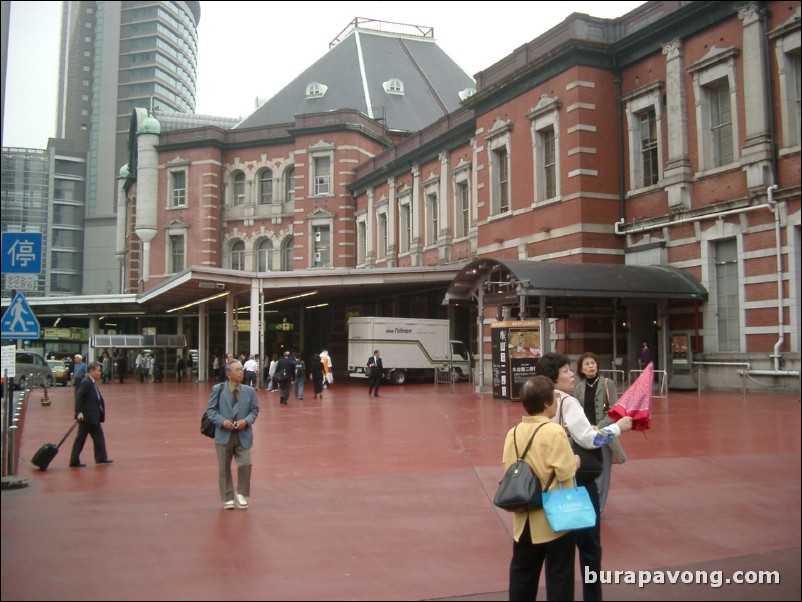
(251, 366)
(645, 357)
(233, 407)
(271, 374)
(285, 373)
(106, 363)
(598, 394)
(571, 416)
(300, 376)
(328, 376)
(317, 376)
(90, 412)
(223, 363)
(550, 456)
(138, 361)
(375, 373)
(179, 367)
(78, 371)
(122, 366)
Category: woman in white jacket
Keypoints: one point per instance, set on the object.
(557, 367)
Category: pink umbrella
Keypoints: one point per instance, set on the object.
(636, 401)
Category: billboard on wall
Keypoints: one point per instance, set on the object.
(516, 347)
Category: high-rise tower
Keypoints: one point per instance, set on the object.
(115, 57)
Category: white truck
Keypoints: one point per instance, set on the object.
(409, 347)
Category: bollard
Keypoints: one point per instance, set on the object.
(45, 398)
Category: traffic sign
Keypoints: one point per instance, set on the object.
(19, 322)
(22, 252)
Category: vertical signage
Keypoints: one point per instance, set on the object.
(516, 348)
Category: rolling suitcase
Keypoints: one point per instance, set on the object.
(48, 451)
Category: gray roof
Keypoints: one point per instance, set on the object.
(432, 82)
(175, 120)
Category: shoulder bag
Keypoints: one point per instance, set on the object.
(567, 509)
(207, 425)
(520, 488)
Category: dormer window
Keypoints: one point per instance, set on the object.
(394, 86)
(466, 93)
(316, 90)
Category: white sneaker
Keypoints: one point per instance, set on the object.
(229, 505)
(242, 501)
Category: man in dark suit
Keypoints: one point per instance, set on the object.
(375, 373)
(90, 412)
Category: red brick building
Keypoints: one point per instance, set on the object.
(668, 137)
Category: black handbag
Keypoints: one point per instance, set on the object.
(520, 488)
(207, 425)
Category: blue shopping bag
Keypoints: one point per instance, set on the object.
(568, 509)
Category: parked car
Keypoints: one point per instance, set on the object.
(29, 363)
(61, 374)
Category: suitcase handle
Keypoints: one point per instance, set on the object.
(64, 438)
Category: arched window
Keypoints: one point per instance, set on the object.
(265, 255)
(238, 189)
(394, 86)
(288, 255)
(266, 187)
(238, 255)
(316, 90)
(289, 185)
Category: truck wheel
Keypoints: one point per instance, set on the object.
(455, 376)
(399, 377)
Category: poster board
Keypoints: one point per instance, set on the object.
(516, 347)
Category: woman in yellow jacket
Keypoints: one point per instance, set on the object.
(549, 455)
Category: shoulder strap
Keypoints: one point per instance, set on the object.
(606, 395)
(529, 443)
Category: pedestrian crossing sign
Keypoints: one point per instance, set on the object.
(19, 322)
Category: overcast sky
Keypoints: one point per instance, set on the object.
(253, 49)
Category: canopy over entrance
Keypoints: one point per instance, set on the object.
(567, 287)
(138, 341)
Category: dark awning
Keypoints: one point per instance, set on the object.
(584, 280)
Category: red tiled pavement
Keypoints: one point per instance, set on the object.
(356, 498)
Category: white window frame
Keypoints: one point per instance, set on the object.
(361, 240)
(637, 104)
(715, 69)
(266, 254)
(321, 235)
(405, 217)
(382, 234)
(462, 200)
(237, 196)
(545, 118)
(499, 145)
(289, 184)
(288, 254)
(731, 313)
(316, 90)
(788, 51)
(394, 86)
(321, 184)
(262, 185)
(172, 234)
(432, 208)
(178, 195)
(237, 256)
